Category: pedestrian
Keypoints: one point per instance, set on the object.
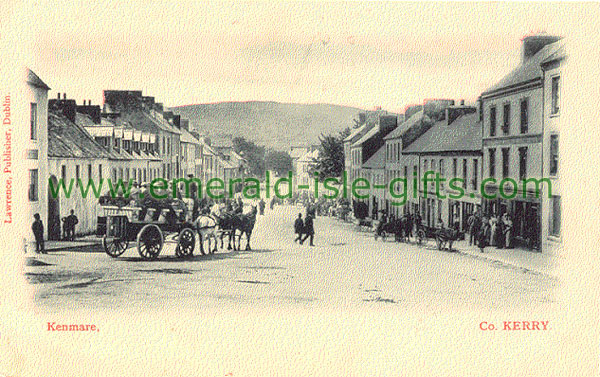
(38, 232)
(500, 234)
(72, 220)
(483, 236)
(493, 233)
(65, 226)
(471, 223)
(440, 223)
(299, 228)
(309, 230)
(508, 225)
(418, 220)
(261, 206)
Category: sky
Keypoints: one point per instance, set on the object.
(361, 54)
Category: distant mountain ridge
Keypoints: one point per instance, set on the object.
(272, 124)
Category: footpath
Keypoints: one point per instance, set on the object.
(531, 261)
(527, 260)
(90, 243)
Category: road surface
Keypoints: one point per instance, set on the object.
(345, 268)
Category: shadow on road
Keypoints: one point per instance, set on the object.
(233, 254)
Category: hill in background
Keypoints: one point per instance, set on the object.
(272, 124)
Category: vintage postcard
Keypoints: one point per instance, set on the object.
(299, 189)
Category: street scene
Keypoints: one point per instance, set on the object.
(298, 189)
(448, 202)
(347, 267)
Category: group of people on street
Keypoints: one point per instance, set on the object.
(305, 229)
(69, 223)
(490, 230)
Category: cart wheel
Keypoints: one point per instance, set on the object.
(186, 241)
(420, 236)
(114, 246)
(150, 241)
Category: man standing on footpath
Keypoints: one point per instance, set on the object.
(38, 233)
(299, 228)
(309, 230)
(71, 221)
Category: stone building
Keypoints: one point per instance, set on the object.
(513, 135)
(34, 97)
(452, 149)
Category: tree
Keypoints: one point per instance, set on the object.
(330, 162)
(254, 154)
(279, 162)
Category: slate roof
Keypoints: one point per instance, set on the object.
(377, 161)
(527, 71)
(462, 135)
(34, 80)
(355, 132)
(560, 53)
(372, 132)
(187, 137)
(69, 140)
(407, 124)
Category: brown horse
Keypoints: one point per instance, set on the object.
(245, 224)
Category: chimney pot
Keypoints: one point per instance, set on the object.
(58, 95)
(462, 102)
(64, 95)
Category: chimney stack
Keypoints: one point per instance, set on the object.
(58, 95)
(64, 95)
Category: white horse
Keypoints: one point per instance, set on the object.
(206, 227)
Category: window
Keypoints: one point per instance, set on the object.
(492, 121)
(475, 173)
(555, 216)
(63, 174)
(90, 175)
(553, 154)
(425, 166)
(555, 95)
(505, 162)
(77, 175)
(398, 151)
(492, 160)
(406, 172)
(506, 119)
(415, 172)
(100, 172)
(114, 174)
(524, 115)
(522, 163)
(33, 121)
(464, 172)
(442, 171)
(454, 167)
(33, 185)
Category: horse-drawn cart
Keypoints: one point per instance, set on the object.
(121, 225)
